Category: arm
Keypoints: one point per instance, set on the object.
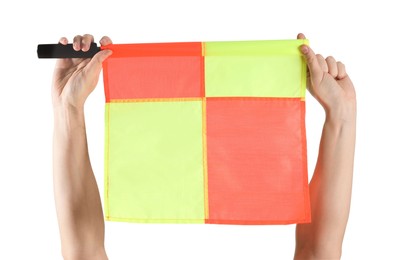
(77, 198)
(331, 185)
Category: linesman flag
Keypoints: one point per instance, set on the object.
(206, 132)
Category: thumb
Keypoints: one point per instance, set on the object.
(95, 65)
(316, 72)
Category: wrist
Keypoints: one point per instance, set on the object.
(68, 118)
(66, 103)
(341, 117)
(344, 114)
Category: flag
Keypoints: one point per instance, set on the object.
(206, 132)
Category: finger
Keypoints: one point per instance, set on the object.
(316, 73)
(61, 63)
(105, 41)
(86, 40)
(63, 40)
(332, 66)
(301, 36)
(322, 63)
(95, 65)
(77, 42)
(341, 70)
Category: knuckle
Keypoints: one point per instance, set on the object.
(88, 37)
(320, 58)
(105, 40)
(77, 42)
(63, 40)
(310, 58)
(77, 37)
(330, 58)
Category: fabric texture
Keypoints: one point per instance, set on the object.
(206, 132)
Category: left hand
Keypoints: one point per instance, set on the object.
(329, 83)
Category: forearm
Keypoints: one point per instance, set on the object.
(330, 190)
(77, 197)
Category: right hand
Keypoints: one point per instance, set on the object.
(74, 79)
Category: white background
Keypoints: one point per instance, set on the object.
(365, 35)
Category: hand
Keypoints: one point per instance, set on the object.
(74, 79)
(329, 83)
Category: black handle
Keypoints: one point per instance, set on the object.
(65, 51)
